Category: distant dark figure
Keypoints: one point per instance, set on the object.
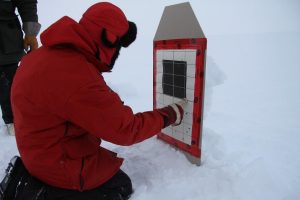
(12, 46)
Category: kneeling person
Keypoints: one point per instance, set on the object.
(63, 108)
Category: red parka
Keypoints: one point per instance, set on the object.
(63, 109)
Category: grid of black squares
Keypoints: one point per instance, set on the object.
(174, 78)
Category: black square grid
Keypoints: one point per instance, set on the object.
(174, 78)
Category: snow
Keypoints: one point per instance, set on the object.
(251, 138)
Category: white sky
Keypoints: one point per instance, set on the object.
(216, 16)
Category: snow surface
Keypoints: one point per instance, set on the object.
(251, 138)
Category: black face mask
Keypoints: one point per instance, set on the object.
(114, 58)
(124, 41)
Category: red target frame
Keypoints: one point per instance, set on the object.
(199, 45)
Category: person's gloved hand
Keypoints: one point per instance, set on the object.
(30, 43)
(172, 113)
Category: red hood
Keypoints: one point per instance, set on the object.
(67, 32)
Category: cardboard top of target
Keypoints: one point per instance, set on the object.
(178, 22)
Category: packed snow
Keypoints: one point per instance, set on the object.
(251, 134)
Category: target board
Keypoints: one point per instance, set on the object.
(179, 73)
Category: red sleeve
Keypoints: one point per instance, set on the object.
(100, 111)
